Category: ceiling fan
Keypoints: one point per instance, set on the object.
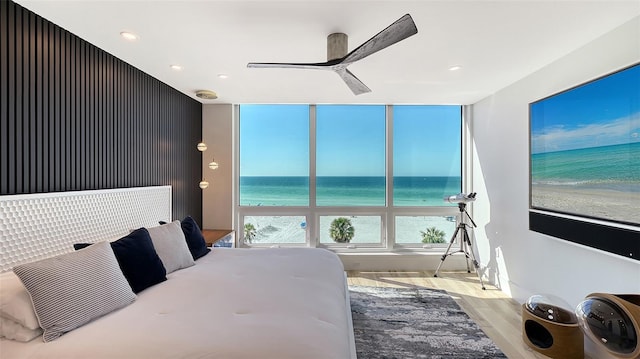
(338, 59)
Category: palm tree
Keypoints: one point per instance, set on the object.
(432, 235)
(341, 230)
(249, 232)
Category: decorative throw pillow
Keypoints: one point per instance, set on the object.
(93, 286)
(15, 303)
(169, 242)
(138, 259)
(193, 235)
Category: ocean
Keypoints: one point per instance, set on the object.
(346, 191)
(615, 167)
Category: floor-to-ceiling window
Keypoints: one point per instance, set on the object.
(348, 176)
(427, 165)
(274, 172)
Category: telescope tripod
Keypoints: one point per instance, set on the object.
(465, 244)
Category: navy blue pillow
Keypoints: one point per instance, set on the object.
(195, 240)
(193, 235)
(138, 259)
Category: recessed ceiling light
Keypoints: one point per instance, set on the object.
(176, 67)
(455, 68)
(129, 36)
(223, 76)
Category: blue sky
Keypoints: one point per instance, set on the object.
(600, 113)
(350, 140)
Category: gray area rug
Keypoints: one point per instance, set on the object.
(406, 323)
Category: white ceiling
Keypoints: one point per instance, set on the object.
(495, 42)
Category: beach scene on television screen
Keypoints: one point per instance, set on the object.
(585, 149)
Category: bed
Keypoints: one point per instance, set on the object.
(230, 303)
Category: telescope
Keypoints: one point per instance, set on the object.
(465, 242)
(461, 198)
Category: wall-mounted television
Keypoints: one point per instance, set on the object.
(585, 163)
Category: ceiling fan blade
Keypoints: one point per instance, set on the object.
(356, 86)
(398, 31)
(315, 66)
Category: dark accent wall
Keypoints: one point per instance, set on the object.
(77, 118)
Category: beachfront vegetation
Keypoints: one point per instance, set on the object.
(432, 235)
(341, 230)
(249, 232)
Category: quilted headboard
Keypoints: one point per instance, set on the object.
(37, 226)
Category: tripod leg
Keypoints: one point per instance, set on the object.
(473, 257)
(446, 253)
(463, 248)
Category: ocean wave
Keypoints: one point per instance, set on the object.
(616, 185)
(560, 183)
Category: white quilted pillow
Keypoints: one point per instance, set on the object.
(14, 331)
(93, 286)
(171, 246)
(15, 303)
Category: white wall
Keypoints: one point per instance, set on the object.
(520, 261)
(217, 199)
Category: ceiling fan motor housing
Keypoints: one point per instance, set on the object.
(337, 46)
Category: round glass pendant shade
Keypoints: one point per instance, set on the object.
(213, 165)
(202, 146)
(204, 184)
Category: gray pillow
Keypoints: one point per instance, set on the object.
(93, 286)
(171, 246)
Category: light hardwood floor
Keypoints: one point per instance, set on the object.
(497, 314)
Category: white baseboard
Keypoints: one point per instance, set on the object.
(401, 261)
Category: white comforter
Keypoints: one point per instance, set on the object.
(234, 303)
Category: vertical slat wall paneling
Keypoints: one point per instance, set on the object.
(88, 103)
(95, 115)
(57, 110)
(66, 113)
(105, 148)
(68, 106)
(99, 138)
(49, 109)
(143, 120)
(61, 121)
(76, 118)
(33, 126)
(4, 105)
(11, 102)
(40, 106)
(19, 106)
(119, 151)
(75, 110)
(81, 93)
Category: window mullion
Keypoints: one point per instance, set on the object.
(466, 152)
(312, 216)
(389, 222)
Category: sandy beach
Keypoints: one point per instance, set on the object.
(601, 203)
(288, 229)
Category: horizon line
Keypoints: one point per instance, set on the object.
(352, 176)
